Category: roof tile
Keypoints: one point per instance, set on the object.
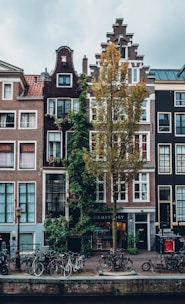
(35, 85)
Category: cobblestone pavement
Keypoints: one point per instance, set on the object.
(91, 264)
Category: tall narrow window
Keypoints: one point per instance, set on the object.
(164, 122)
(180, 159)
(123, 52)
(180, 124)
(97, 145)
(100, 189)
(135, 75)
(27, 202)
(54, 144)
(93, 110)
(141, 187)
(27, 156)
(7, 91)
(164, 158)
(120, 188)
(6, 202)
(7, 155)
(51, 106)
(55, 194)
(63, 107)
(181, 203)
(141, 145)
(144, 110)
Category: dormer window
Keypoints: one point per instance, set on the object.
(7, 91)
(64, 80)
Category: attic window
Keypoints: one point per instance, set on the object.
(64, 80)
(7, 91)
(123, 52)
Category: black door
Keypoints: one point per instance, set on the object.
(142, 244)
(164, 215)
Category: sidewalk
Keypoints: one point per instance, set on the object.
(91, 264)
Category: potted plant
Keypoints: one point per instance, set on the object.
(132, 242)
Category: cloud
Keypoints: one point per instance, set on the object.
(31, 31)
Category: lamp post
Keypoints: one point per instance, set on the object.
(18, 215)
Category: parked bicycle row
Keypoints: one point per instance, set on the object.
(49, 262)
(171, 262)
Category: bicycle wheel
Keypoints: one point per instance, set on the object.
(106, 264)
(67, 270)
(146, 266)
(12, 264)
(127, 265)
(181, 267)
(53, 269)
(38, 269)
(4, 269)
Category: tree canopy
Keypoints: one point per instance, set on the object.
(114, 149)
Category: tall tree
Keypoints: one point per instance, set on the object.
(119, 109)
(81, 182)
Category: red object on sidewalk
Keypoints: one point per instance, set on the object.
(169, 245)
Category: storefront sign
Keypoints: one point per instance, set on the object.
(107, 217)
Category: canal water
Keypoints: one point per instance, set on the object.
(96, 300)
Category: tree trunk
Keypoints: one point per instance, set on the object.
(114, 226)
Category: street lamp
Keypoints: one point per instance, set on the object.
(18, 215)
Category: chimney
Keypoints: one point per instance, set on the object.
(84, 65)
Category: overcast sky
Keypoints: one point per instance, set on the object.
(32, 30)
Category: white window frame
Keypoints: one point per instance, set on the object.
(53, 111)
(7, 205)
(179, 168)
(96, 156)
(24, 211)
(11, 91)
(19, 154)
(158, 122)
(146, 110)
(119, 192)
(27, 112)
(141, 134)
(179, 113)
(103, 183)
(9, 112)
(180, 215)
(175, 99)
(61, 140)
(140, 182)
(95, 111)
(160, 145)
(64, 86)
(135, 74)
(14, 145)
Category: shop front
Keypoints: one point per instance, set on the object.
(102, 235)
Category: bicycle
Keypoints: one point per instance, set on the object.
(173, 262)
(119, 261)
(59, 266)
(75, 262)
